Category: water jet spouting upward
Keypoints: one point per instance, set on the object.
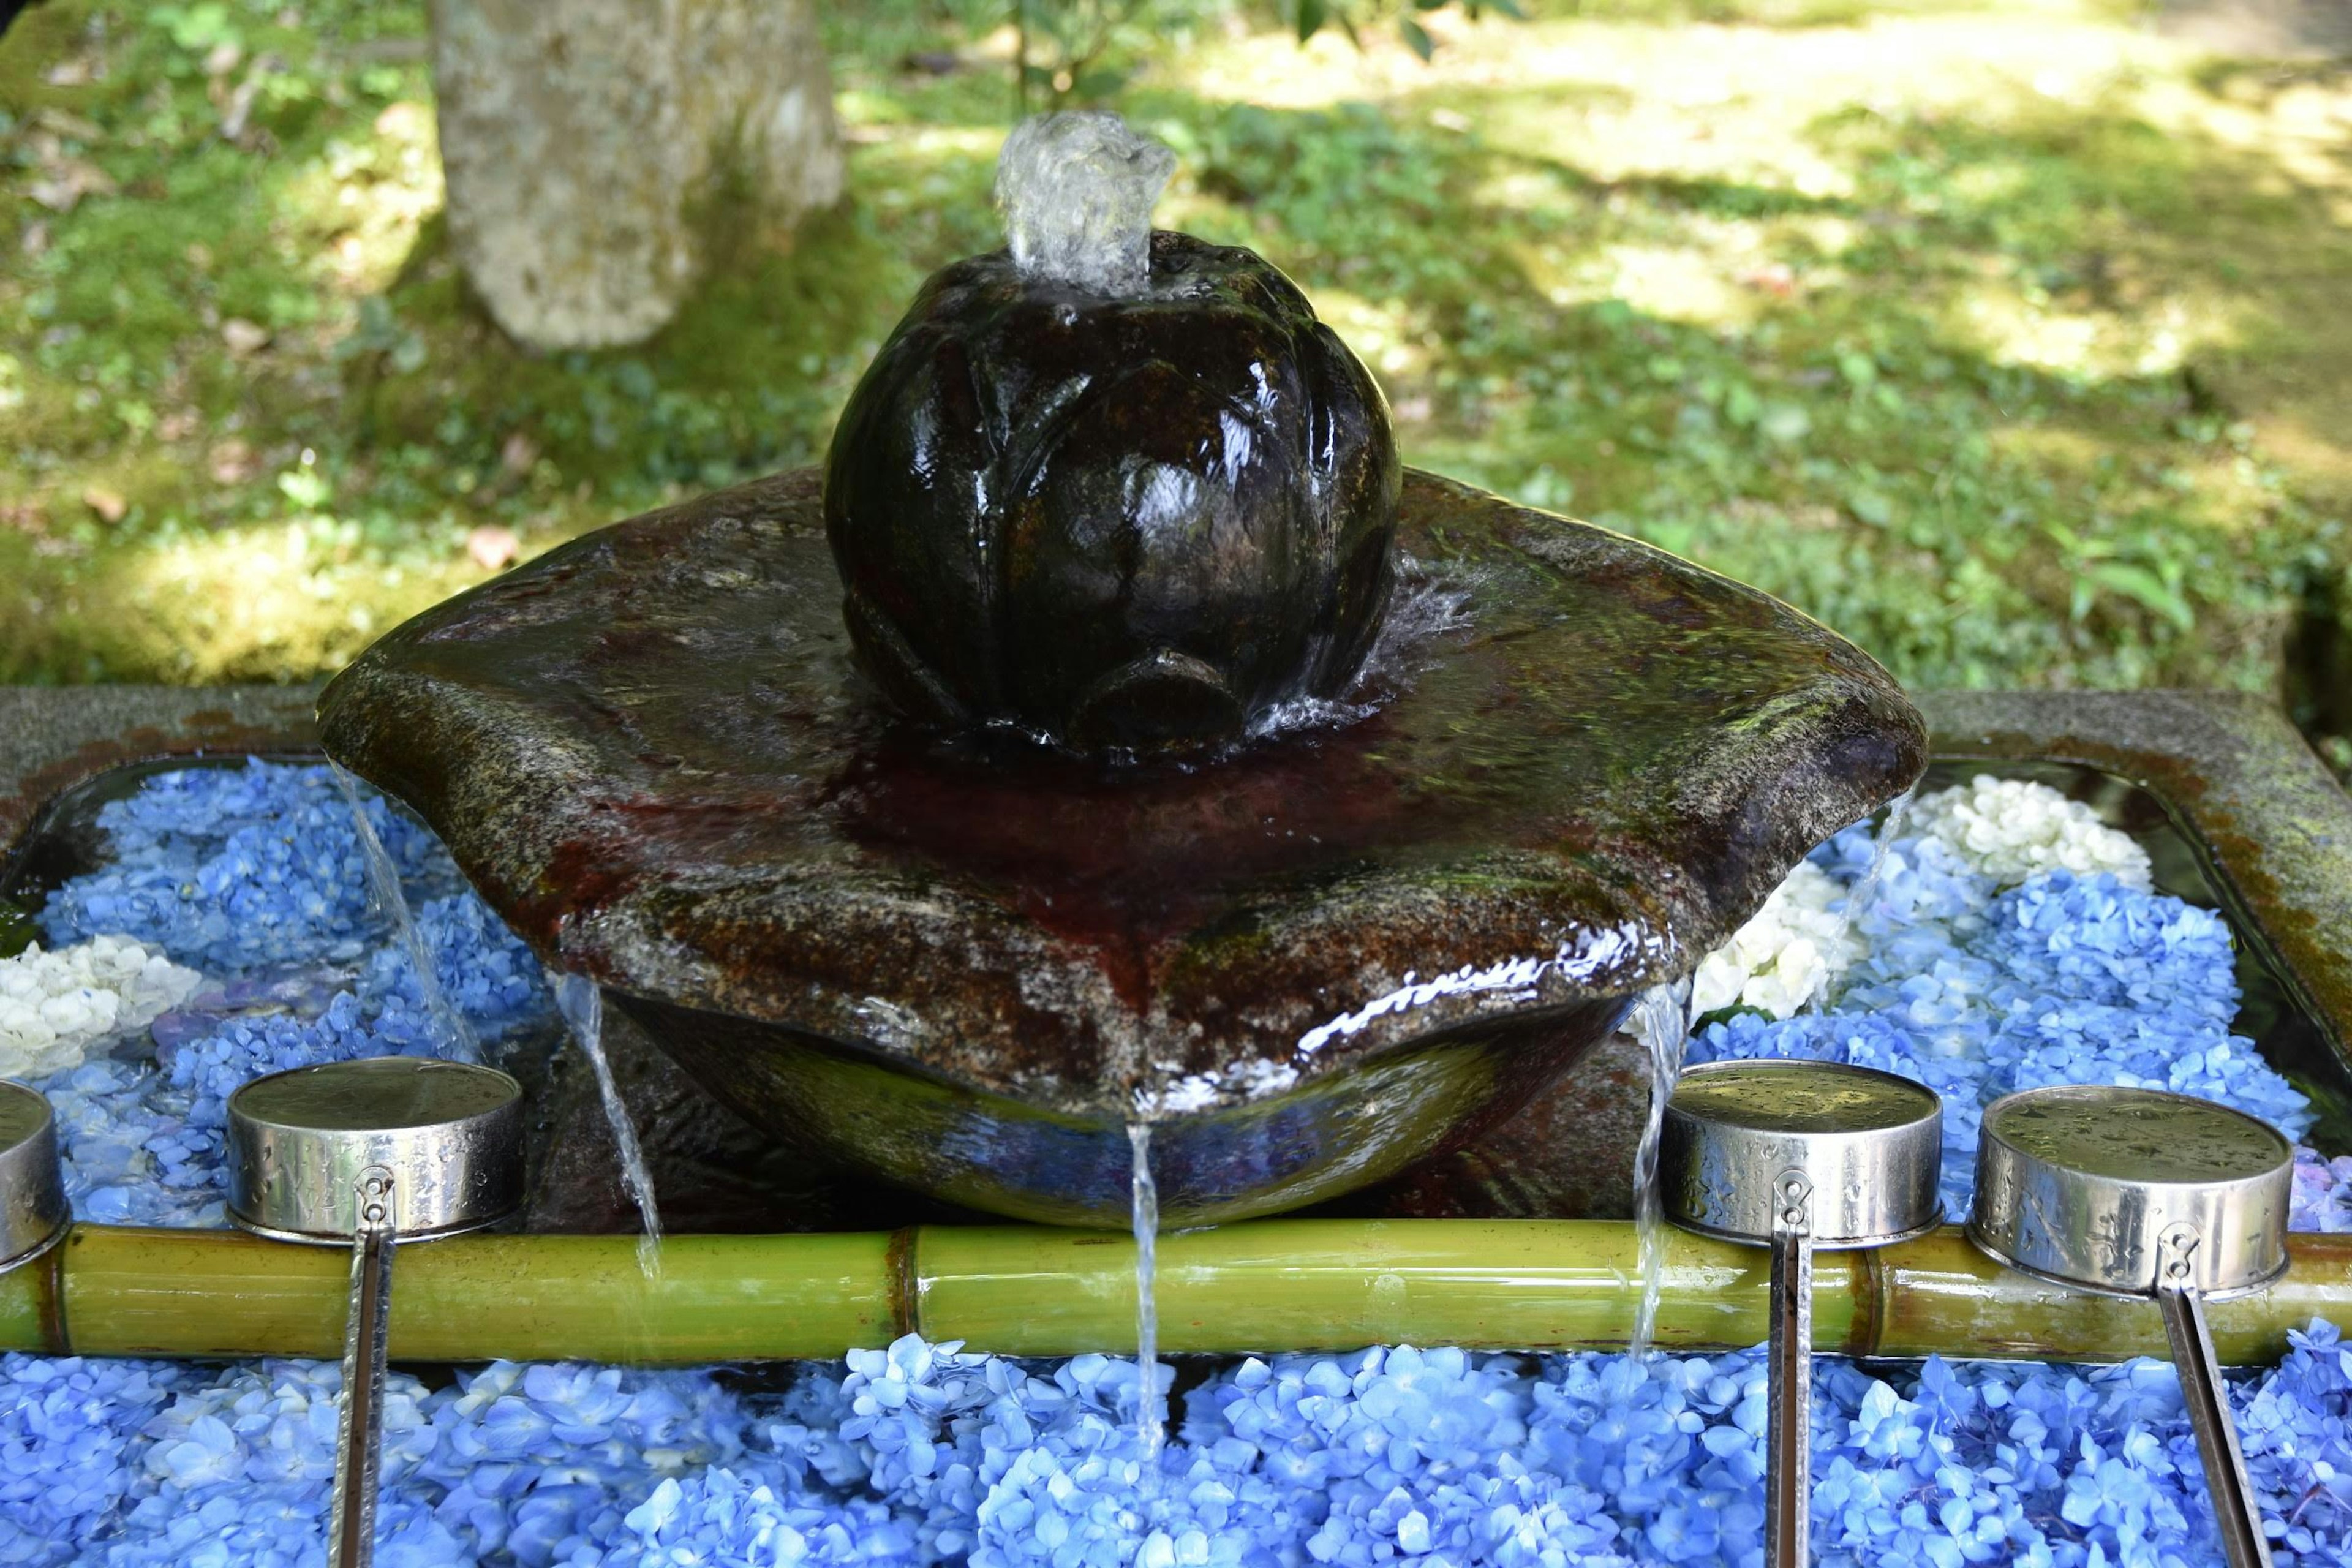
(1076, 190)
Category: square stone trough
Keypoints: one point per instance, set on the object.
(2236, 812)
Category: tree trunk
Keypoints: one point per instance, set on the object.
(589, 144)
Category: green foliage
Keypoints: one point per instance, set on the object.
(2041, 393)
(1308, 17)
(1071, 52)
(19, 929)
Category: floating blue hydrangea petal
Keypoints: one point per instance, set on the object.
(248, 872)
(925, 1453)
(484, 971)
(922, 1454)
(2322, 1196)
(228, 869)
(142, 1144)
(2062, 979)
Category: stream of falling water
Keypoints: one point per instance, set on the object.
(1859, 897)
(384, 890)
(1660, 1022)
(583, 1008)
(1144, 1207)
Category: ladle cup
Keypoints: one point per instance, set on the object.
(2132, 1192)
(33, 1211)
(1798, 1155)
(367, 1154)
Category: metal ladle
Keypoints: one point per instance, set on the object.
(33, 1212)
(366, 1154)
(2132, 1192)
(1798, 1155)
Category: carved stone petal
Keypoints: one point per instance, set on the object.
(650, 752)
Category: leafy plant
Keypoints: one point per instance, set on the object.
(1077, 51)
(196, 29)
(1310, 18)
(1070, 52)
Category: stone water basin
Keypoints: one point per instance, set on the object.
(1607, 1455)
(2233, 811)
(1575, 764)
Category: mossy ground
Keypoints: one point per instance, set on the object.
(2006, 336)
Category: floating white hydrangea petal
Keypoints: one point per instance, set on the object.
(2064, 978)
(54, 1005)
(1786, 955)
(2013, 828)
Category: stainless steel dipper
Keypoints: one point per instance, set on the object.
(1796, 1155)
(2132, 1192)
(365, 1154)
(33, 1212)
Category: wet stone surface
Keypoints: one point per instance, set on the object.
(1574, 766)
(1140, 522)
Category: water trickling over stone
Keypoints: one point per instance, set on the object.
(1076, 190)
(583, 1008)
(1860, 897)
(458, 1041)
(1660, 1022)
(1145, 1202)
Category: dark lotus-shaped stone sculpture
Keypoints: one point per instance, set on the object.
(1577, 765)
(1116, 521)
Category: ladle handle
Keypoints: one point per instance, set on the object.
(359, 1448)
(2234, 1508)
(1788, 1395)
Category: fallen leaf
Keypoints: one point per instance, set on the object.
(493, 548)
(110, 506)
(244, 337)
(36, 238)
(518, 454)
(224, 58)
(69, 73)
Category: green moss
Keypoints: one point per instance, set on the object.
(19, 929)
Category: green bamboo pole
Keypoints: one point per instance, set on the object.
(1269, 1285)
(127, 1291)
